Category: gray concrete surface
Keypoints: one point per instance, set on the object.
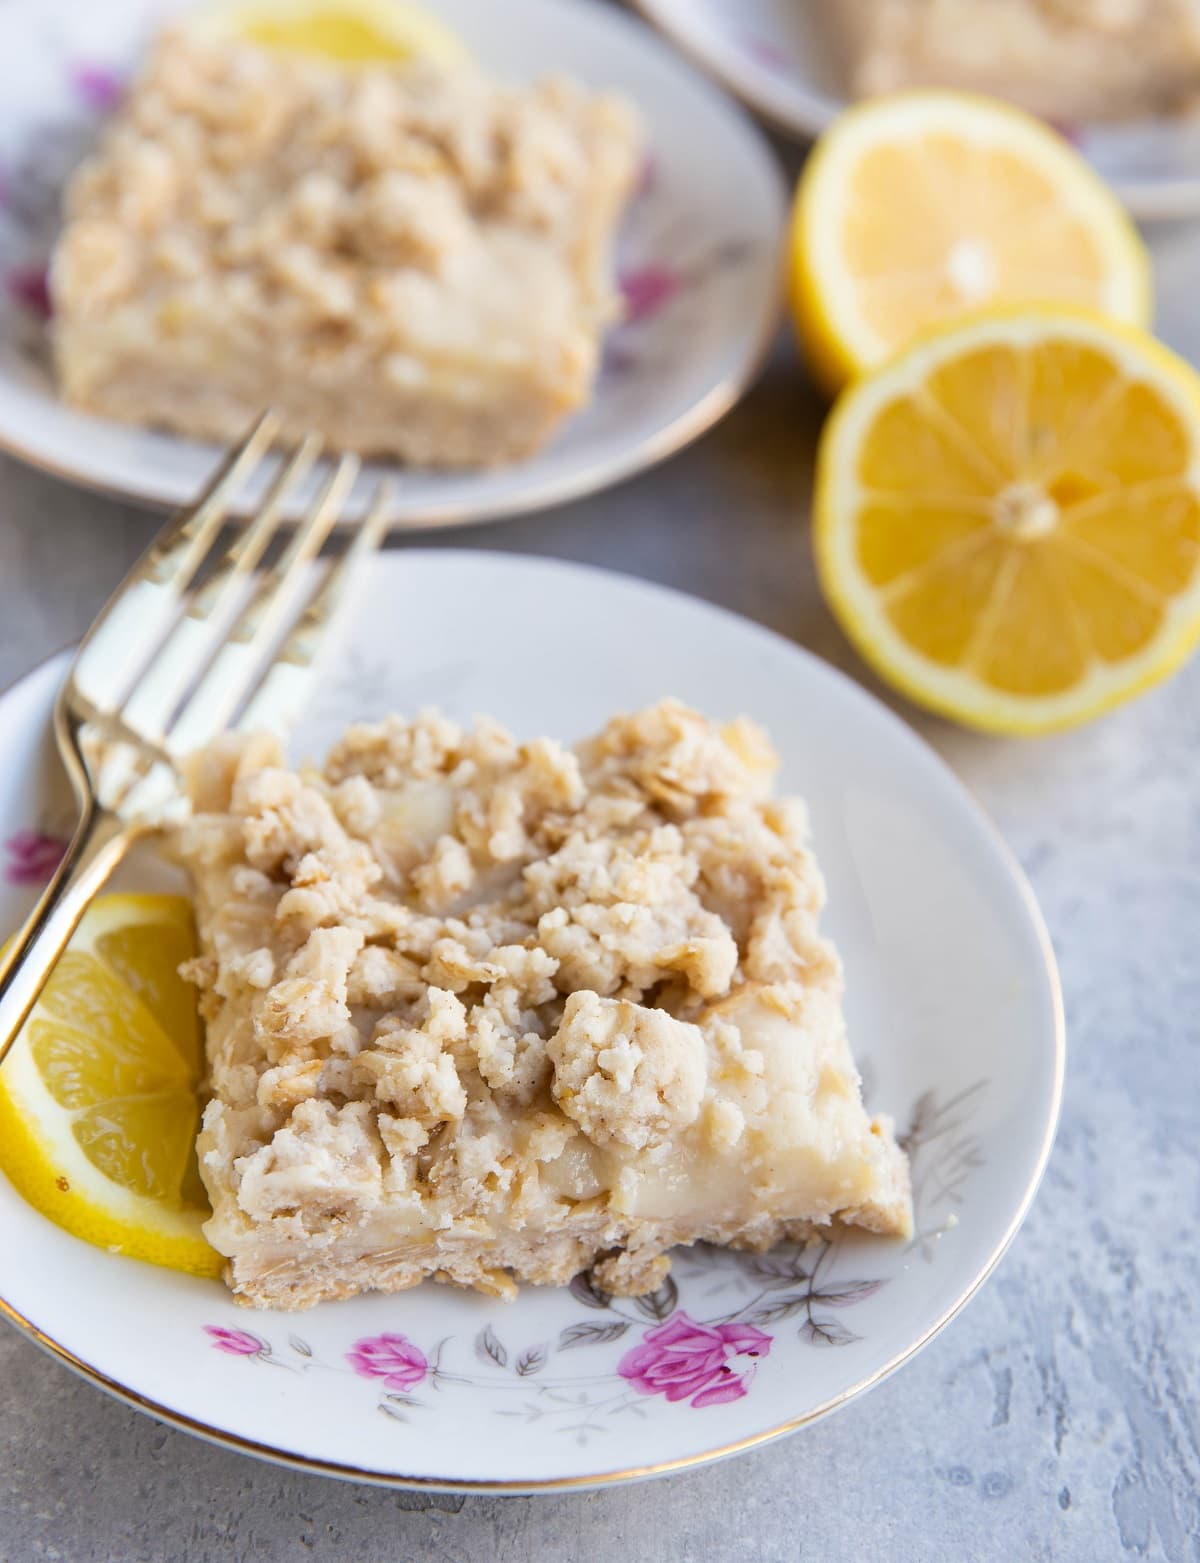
(1057, 1418)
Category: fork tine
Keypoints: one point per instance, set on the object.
(191, 643)
(279, 692)
(133, 624)
(249, 546)
(232, 671)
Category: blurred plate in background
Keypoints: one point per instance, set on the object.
(698, 258)
(778, 57)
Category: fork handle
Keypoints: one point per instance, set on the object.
(99, 843)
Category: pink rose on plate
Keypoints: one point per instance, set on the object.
(706, 1364)
(97, 87)
(766, 52)
(29, 286)
(393, 1358)
(648, 289)
(32, 857)
(238, 1343)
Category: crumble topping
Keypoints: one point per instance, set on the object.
(479, 1008)
(409, 258)
(626, 1074)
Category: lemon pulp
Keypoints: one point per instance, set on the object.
(1008, 518)
(918, 209)
(353, 32)
(98, 1103)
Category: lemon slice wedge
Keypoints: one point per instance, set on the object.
(1007, 518)
(353, 32)
(918, 209)
(98, 1105)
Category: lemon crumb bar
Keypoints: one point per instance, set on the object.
(1068, 60)
(491, 1011)
(411, 259)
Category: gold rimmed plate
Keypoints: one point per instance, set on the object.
(954, 1014)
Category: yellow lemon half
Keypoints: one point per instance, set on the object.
(1007, 518)
(354, 32)
(98, 1106)
(918, 209)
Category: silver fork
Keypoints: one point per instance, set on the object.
(170, 664)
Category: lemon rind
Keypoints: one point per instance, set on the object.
(48, 1168)
(837, 342)
(405, 25)
(856, 603)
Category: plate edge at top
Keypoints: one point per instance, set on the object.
(1148, 201)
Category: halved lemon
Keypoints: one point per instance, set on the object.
(1007, 518)
(918, 209)
(98, 1106)
(354, 32)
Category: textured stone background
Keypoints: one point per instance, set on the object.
(1057, 1418)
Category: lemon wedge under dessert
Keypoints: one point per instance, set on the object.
(98, 1104)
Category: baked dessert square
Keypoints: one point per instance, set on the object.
(1067, 60)
(489, 1011)
(411, 259)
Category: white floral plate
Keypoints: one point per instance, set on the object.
(778, 56)
(698, 257)
(954, 1014)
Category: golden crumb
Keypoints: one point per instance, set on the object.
(480, 1008)
(412, 260)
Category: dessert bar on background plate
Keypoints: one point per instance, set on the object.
(697, 268)
(411, 260)
(1084, 60)
(787, 60)
(951, 1001)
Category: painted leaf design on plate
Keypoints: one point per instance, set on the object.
(531, 1361)
(660, 1304)
(779, 1269)
(488, 1348)
(785, 1308)
(585, 1290)
(591, 1334)
(826, 1332)
(846, 1295)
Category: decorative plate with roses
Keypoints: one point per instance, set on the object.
(951, 1000)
